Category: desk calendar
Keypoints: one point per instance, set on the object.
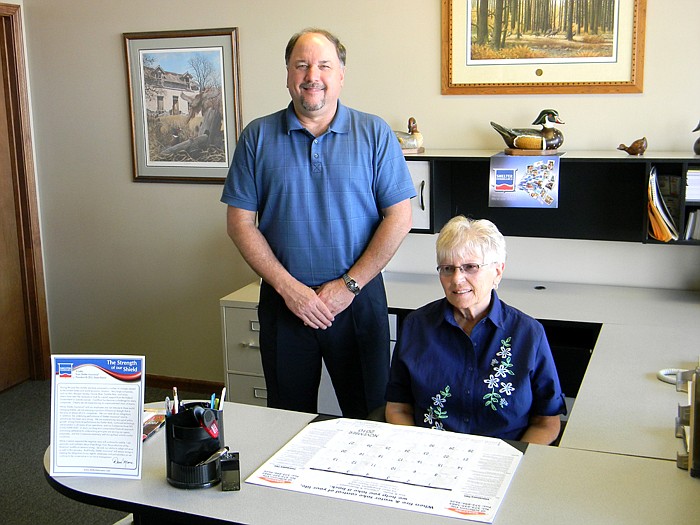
(419, 469)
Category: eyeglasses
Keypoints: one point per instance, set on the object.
(468, 268)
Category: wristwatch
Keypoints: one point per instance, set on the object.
(351, 284)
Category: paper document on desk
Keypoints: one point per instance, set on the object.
(96, 415)
(419, 469)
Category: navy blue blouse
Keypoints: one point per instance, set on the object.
(489, 383)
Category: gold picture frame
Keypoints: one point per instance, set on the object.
(474, 64)
(184, 97)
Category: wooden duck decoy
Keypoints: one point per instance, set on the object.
(638, 147)
(696, 146)
(412, 140)
(533, 139)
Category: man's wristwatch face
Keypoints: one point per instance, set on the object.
(351, 284)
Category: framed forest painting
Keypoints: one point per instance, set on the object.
(542, 46)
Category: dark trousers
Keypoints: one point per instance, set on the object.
(355, 350)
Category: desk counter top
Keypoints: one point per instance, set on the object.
(614, 463)
(621, 406)
(552, 485)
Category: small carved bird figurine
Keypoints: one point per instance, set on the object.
(696, 146)
(638, 147)
(411, 140)
(547, 138)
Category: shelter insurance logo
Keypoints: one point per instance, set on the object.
(65, 369)
(505, 179)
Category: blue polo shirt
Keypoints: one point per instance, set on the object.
(488, 384)
(318, 199)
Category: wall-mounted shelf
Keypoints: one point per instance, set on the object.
(602, 194)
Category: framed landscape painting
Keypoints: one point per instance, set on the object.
(542, 46)
(185, 106)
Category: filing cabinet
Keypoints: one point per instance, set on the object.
(245, 382)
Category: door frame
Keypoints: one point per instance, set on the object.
(14, 76)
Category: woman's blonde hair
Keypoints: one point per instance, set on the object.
(462, 237)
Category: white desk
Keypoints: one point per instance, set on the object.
(621, 406)
(602, 472)
(551, 485)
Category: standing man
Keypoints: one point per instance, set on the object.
(331, 191)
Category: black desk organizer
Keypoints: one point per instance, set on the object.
(188, 444)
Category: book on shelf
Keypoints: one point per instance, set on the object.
(692, 226)
(692, 185)
(661, 224)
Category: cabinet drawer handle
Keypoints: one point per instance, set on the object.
(255, 326)
(255, 346)
(422, 200)
(260, 393)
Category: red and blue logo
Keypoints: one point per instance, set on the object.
(65, 369)
(505, 179)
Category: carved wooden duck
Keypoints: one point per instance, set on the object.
(638, 147)
(547, 138)
(412, 139)
(696, 147)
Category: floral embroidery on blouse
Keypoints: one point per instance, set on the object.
(437, 412)
(496, 382)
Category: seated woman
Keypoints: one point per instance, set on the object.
(469, 362)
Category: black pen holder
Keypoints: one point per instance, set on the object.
(187, 444)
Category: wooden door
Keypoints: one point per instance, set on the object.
(24, 344)
(14, 351)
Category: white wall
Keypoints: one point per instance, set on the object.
(139, 268)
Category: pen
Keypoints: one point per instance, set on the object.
(212, 402)
(168, 407)
(176, 401)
